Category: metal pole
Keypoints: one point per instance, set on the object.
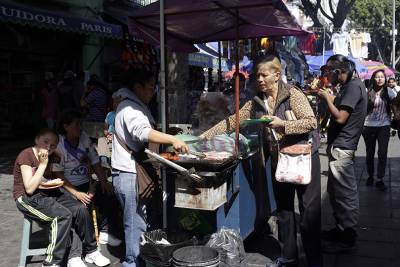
(163, 107)
(219, 67)
(237, 93)
(323, 48)
(394, 35)
(162, 68)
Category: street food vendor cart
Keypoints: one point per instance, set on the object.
(197, 21)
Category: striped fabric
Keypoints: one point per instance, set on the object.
(97, 105)
(40, 215)
(378, 117)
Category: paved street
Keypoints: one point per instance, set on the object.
(379, 230)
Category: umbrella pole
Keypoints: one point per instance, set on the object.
(237, 119)
(323, 48)
(219, 67)
(163, 107)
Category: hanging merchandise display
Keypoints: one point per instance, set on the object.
(356, 42)
(366, 41)
(292, 60)
(138, 55)
(340, 43)
(307, 45)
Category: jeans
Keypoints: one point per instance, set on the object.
(134, 215)
(371, 135)
(342, 187)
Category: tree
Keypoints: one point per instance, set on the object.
(377, 16)
(336, 12)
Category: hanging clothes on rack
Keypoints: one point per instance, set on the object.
(356, 42)
(366, 41)
(340, 43)
(307, 44)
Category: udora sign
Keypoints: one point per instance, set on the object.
(58, 20)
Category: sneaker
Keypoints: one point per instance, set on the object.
(370, 181)
(380, 185)
(109, 239)
(282, 262)
(76, 262)
(52, 265)
(336, 247)
(97, 258)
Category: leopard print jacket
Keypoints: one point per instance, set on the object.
(305, 118)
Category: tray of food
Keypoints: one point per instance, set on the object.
(255, 121)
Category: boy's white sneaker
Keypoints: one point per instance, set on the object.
(106, 238)
(97, 258)
(76, 262)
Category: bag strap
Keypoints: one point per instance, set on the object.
(126, 147)
(287, 105)
(267, 109)
(136, 155)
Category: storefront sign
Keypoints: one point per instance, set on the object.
(206, 61)
(56, 20)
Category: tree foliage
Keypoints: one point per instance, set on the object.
(336, 15)
(376, 16)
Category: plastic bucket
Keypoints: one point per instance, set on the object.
(195, 256)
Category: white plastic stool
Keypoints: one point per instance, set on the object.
(25, 250)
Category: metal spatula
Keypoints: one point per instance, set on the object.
(191, 173)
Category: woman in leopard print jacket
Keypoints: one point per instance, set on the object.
(273, 100)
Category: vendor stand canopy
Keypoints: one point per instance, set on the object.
(189, 22)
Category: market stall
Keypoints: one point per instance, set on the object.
(189, 22)
(315, 63)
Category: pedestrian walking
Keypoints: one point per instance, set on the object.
(395, 124)
(277, 99)
(348, 111)
(377, 127)
(134, 130)
(392, 84)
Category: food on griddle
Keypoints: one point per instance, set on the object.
(215, 155)
(169, 155)
(187, 156)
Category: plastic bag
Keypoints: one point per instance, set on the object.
(230, 247)
(155, 251)
(222, 142)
